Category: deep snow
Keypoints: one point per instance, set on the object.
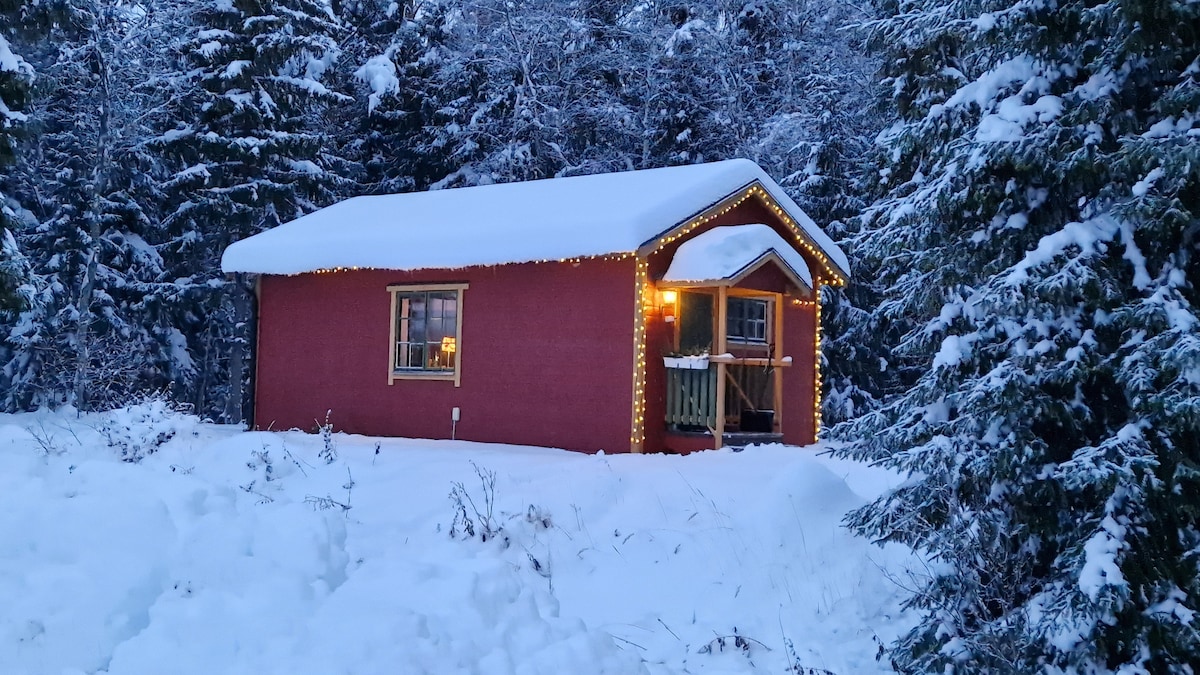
(724, 252)
(200, 559)
(549, 219)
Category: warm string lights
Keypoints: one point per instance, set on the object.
(711, 215)
(817, 368)
(637, 434)
(756, 190)
(644, 293)
(801, 236)
(623, 255)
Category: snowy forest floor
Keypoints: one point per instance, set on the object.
(231, 552)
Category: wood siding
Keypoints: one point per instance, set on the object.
(545, 355)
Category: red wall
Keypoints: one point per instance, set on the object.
(799, 394)
(798, 342)
(547, 355)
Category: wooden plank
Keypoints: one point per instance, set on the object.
(750, 361)
(392, 342)
(719, 335)
(719, 427)
(777, 385)
(672, 408)
(711, 398)
(721, 348)
(753, 405)
(681, 409)
(458, 343)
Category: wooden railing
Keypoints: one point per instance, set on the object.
(692, 394)
(692, 397)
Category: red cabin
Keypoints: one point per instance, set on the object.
(667, 310)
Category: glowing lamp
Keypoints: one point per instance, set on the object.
(667, 302)
(448, 345)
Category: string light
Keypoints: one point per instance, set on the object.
(638, 432)
(817, 370)
(623, 255)
(757, 191)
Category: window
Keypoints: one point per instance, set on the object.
(426, 332)
(747, 320)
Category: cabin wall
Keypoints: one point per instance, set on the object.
(799, 342)
(546, 355)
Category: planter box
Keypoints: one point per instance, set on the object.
(686, 362)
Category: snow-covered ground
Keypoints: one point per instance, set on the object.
(231, 552)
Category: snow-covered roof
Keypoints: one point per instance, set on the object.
(726, 252)
(549, 219)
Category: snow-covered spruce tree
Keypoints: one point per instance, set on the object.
(245, 151)
(16, 77)
(1041, 236)
(404, 63)
(82, 189)
(811, 85)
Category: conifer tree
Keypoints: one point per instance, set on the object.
(16, 77)
(1039, 240)
(245, 153)
(86, 211)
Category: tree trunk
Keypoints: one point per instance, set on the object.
(238, 348)
(96, 189)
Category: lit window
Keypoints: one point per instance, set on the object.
(426, 331)
(747, 320)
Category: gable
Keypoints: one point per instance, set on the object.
(725, 255)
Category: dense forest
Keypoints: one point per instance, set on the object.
(141, 138)
(1017, 183)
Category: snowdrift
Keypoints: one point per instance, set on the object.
(223, 551)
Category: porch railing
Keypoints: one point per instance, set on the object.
(692, 397)
(692, 393)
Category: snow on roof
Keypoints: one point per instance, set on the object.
(549, 219)
(724, 252)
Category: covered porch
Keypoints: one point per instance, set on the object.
(721, 305)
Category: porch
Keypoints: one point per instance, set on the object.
(720, 367)
(729, 391)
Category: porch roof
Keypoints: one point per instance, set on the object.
(551, 219)
(724, 255)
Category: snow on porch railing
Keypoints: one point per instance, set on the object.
(692, 397)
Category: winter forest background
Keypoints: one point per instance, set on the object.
(1017, 183)
(144, 137)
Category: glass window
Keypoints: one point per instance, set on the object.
(747, 320)
(426, 331)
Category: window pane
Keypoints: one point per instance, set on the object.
(436, 330)
(441, 304)
(439, 359)
(747, 319)
(418, 306)
(416, 353)
(426, 330)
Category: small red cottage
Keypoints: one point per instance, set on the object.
(661, 310)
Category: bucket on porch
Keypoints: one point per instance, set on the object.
(757, 421)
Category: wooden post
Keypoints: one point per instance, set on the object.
(720, 348)
(776, 373)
